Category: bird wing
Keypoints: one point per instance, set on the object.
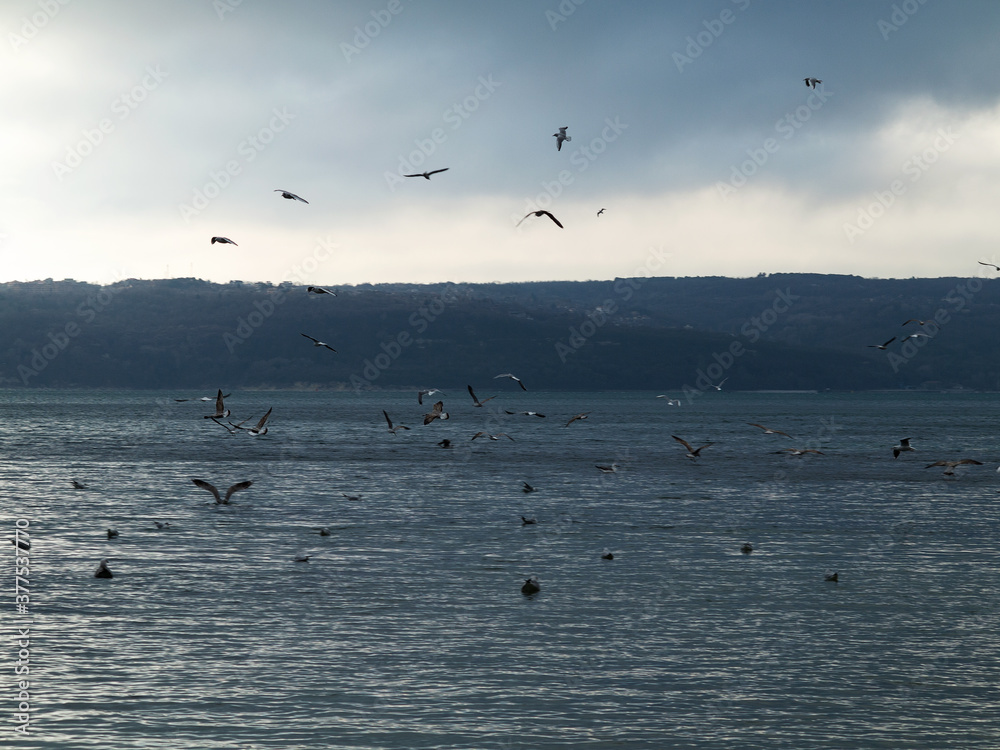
(478, 434)
(938, 463)
(889, 341)
(236, 488)
(315, 341)
(387, 418)
(970, 461)
(558, 224)
(473, 394)
(206, 486)
(683, 442)
(523, 218)
(220, 404)
(698, 450)
(263, 419)
(436, 171)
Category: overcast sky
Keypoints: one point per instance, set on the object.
(135, 131)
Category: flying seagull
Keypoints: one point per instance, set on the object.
(991, 265)
(259, 428)
(317, 342)
(915, 320)
(561, 136)
(800, 451)
(476, 401)
(811, 82)
(290, 196)
(670, 401)
(540, 213)
(394, 428)
(914, 336)
(526, 413)
(512, 377)
(950, 465)
(229, 493)
(768, 430)
(882, 347)
(428, 392)
(719, 386)
(436, 413)
(904, 445)
(221, 412)
(492, 437)
(320, 290)
(223, 240)
(103, 571)
(600, 212)
(692, 453)
(582, 415)
(427, 175)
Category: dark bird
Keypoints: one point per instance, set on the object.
(352, 498)
(446, 443)
(161, 525)
(229, 493)
(290, 196)
(612, 469)
(540, 213)
(221, 412)
(476, 401)
(437, 412)
(904, 445)
(257, 429)
(991, 265)
(223, 240)
(319, 290)
(112, 533)
(830, 576)
(692, 453)
(527, 487)
(581, 416)
(561, 137)
(811, 82)
(78, 485)
(606, 555)
(317, 342)
(600, 212)
(768, 430)
(103, 571)
(302, 558)
(747, 548)
(530, 586)
(322, 530)
(915, 320)
(881, 346)
(427, 175)
(950, 465)
(393, 428)
(512, 377)
(527, 521)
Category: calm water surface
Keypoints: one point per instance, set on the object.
(407, 628)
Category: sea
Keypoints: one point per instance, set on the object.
(407, 627)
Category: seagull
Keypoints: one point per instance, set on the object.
(512, 377)
(606, 555)
(527, 487)
(613, 469)
(582, 415)
(830, 575)
(540, 213)
(991, 265)
(221, 412)
(561, 136)
(229, 493)
(290, 196)
(950, 465)
(747, 548)
(530, 586)
(527, 521)
(719, 386)
(427, 175)
(811, 82)
(526, 413)
(103, 571)
(446, 443)
(914, 336)
(692, 452)
(768, 430)
(670, 401)
(259, 428)
(353, 498)
(800, 451)
(112, 533)
(394, 428)
(203, 398)
(600, 212)
(322, 530)
(223, 240)
(161, 525)
(437, 413)
(428, 392)
(915, 320)
(302, 558)
(475, 400)
(881, 346)
(492, 437)
(319, 290)
(78, 485)
(317, 342)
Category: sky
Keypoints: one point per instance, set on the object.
(136, 131)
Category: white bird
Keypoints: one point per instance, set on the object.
(881, 347)
(221, 412)
(719, 386)
(290, 196)
(317, 342)
(561, 136)
(692, 453)
(811, 82)
(512, 377)
(540, 213)
(320, 290)
(215, 492)
(914, 336)
(223, 240)
(904, 445)
(950, 465)
(437, 412)
(768, 430)
(526, 413)
(492, 437)
(670, 401)
(103, 571)
(428, 392)
(831, 575)
(393, 428)
(427, 175)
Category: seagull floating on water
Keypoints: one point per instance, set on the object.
(830, 575)
(512, 377)
(223, 240)
(302, 558)
(527, 521)
(446, 443)
(904, 445)
(437, 412)
(393, 428)
(112, 533)
(352, 498)
(540, 213)
(612, 469)
(78, 485)
(527, 487)
(215, 492)
(800, 451)
(692, 453)
(160, 525)
(811, 82)
(319, 290)
(290, 196)
(561, 137)
(747, 548)
(606, 555)
(317, 342)
(531, 586)
(221, 412)
(103, 571)
(427, 175)
(476, 401)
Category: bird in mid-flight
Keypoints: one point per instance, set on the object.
(692, 453)
(904, 445)
(512, 377)
(290, 196)
(882, 347)
(215, 492)
(393, 428)
(476, 401)
(540, 213)
(223, 240)
(991, 265)
(811, 82)
(317, 342)
(221, 412)
(319, 290)
(427, 175)
(560, 137)
(600, 212)
(437, 412)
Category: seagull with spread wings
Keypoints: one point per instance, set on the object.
(561, 137)
(540, 213)
(437, 412)
(428, 392)
(290, 196)
(882, 347)
(580, 416)
(904, 445)
(215, 492)
(768, 430)
(427, 175)
(223, 240)
(476, 401)
(320, 290)
(512, 377)
(692, 452)
(950, 465)
(393, 428)
(221, 412)
(317, 342)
